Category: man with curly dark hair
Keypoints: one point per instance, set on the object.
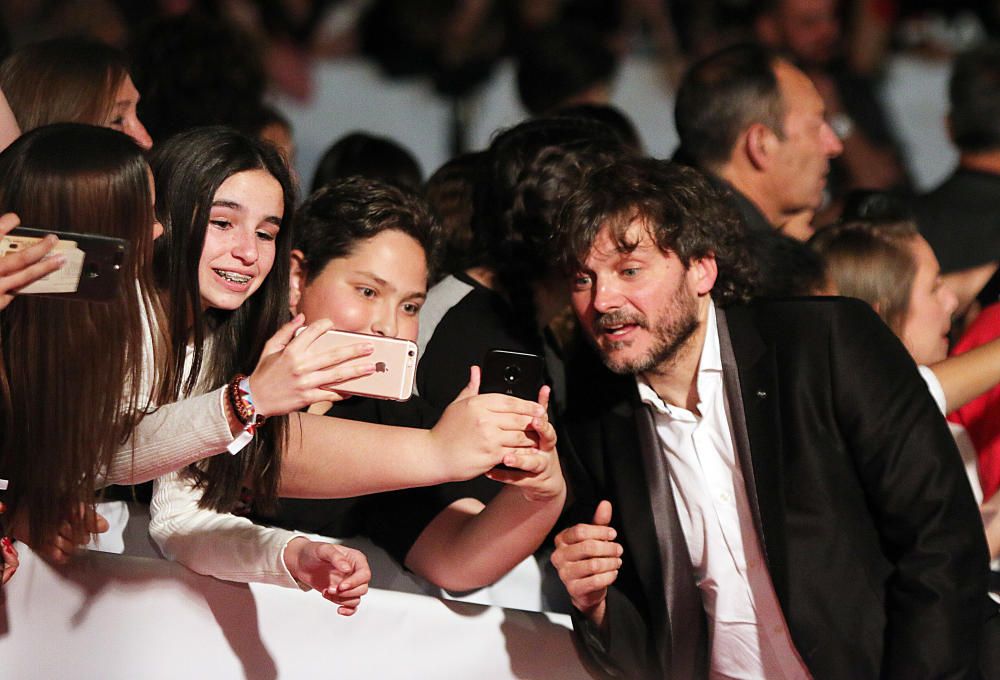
(788, 502)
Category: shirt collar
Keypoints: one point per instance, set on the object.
(709, 363)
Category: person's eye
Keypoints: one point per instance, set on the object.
(220, 223)
(411, 308)
(630, 272)
(366, 291)
(581, 281)
(117, 123)
(266, 235)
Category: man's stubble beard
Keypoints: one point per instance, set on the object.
(678, 323)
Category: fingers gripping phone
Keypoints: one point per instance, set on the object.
(93, 268)
(395, 365)
(518, 374)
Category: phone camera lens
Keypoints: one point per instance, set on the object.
(411, 353)
(512, 373)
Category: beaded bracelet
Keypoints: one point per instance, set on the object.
(241, 399)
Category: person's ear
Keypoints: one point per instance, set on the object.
(703, 273)
(297, 279)
(760, 144)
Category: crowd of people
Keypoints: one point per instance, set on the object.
(767, 443)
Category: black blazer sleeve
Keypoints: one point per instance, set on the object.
(920, 499)
(622, 649)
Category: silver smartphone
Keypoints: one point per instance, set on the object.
(395, 365)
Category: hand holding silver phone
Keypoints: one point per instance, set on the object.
(93, 269)
(395, 365)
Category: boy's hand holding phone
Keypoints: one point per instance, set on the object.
(477, 430)
(536, 471)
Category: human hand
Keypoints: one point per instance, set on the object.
(10, 561)
(588, 559)
(292, 373)
(9, 552)
(538, 473)
(339, 573)
(27, 266)
(75, 531)
(476, 431)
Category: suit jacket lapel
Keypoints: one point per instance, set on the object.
(641, 473)
(629, 484)
(749, 370)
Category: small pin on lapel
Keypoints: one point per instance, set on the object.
(761, 394)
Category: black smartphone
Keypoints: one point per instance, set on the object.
(518, 374)
(93, 269)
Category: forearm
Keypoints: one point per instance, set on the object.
(966, 376)
(470, 546)
(329, 458)
(334, 458)
(967, 283)
(173, 437)
(216, 544)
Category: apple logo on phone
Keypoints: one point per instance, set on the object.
(381, 368)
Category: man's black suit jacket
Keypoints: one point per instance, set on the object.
(870, 531)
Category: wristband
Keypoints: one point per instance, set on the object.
(241, 399)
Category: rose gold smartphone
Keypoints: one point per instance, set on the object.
(395, 365)
(93, 269)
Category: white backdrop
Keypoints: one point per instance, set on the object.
(352, 95)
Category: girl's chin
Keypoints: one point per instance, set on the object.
(228, 301)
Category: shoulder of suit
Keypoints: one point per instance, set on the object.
(804, 315)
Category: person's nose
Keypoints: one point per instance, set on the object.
(137, 131)
(949, 299)
(832, 146)
(245, 245)
(384, 323)
(606, 296)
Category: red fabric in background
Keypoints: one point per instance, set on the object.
(981, 416)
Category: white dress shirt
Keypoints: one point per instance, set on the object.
(747, 631)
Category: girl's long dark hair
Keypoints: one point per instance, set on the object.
(189, 168)
(73, 386)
